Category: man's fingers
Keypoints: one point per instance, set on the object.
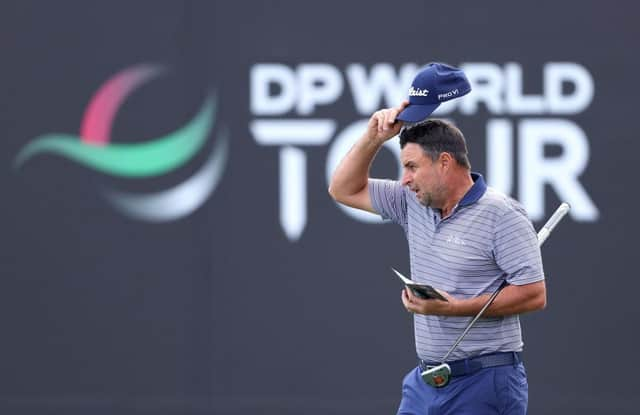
(384, 121)
(410, 295)
(405, 301)
(379, 121)
(385, 115)
(388, 116)
(392, 117)
(405, 298)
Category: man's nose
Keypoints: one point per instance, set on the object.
(406, 178)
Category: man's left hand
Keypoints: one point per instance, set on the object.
(415, 304)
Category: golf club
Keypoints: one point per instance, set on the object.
(438, 376)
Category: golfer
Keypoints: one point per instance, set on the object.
(464, 238)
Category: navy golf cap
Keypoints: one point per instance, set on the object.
(434, 84)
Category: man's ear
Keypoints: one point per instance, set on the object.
(446, 160)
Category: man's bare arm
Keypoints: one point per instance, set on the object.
(349, 184)
(513, 299)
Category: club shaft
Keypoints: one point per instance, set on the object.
(472, 322)
(544, 233)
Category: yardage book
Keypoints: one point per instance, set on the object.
(420, 290)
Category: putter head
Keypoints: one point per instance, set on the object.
(437, 376)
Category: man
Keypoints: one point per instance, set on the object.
(464, 239)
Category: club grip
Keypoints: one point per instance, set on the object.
(562, 210)
(557, 216)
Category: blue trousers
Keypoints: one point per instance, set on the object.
(494, 390)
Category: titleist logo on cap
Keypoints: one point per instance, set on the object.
(417, 92)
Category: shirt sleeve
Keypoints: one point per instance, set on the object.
(388, 198)
(516, 248)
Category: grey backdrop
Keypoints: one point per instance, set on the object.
(219, 311)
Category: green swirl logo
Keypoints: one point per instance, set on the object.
(156, 157)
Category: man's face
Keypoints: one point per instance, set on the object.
(422, 175)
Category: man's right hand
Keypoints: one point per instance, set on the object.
(382, 124)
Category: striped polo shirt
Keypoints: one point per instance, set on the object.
(487, 238)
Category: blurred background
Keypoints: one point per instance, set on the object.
(168, 243)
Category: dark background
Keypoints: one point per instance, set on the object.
(219, 312)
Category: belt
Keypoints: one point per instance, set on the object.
(471, 365)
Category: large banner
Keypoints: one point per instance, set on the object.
(169, 245)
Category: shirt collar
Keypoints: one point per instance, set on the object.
(476, 191)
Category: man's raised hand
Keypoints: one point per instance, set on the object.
(382, 124)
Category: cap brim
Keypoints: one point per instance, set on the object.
(415, 113)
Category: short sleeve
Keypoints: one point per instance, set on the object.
(388, 198)
(516, 249)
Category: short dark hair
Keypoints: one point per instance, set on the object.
(437, 137)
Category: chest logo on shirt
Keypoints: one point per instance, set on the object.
(453, 239)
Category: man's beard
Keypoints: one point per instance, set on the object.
(430, 199)
(426, 199)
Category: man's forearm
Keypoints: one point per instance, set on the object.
(513, 299)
